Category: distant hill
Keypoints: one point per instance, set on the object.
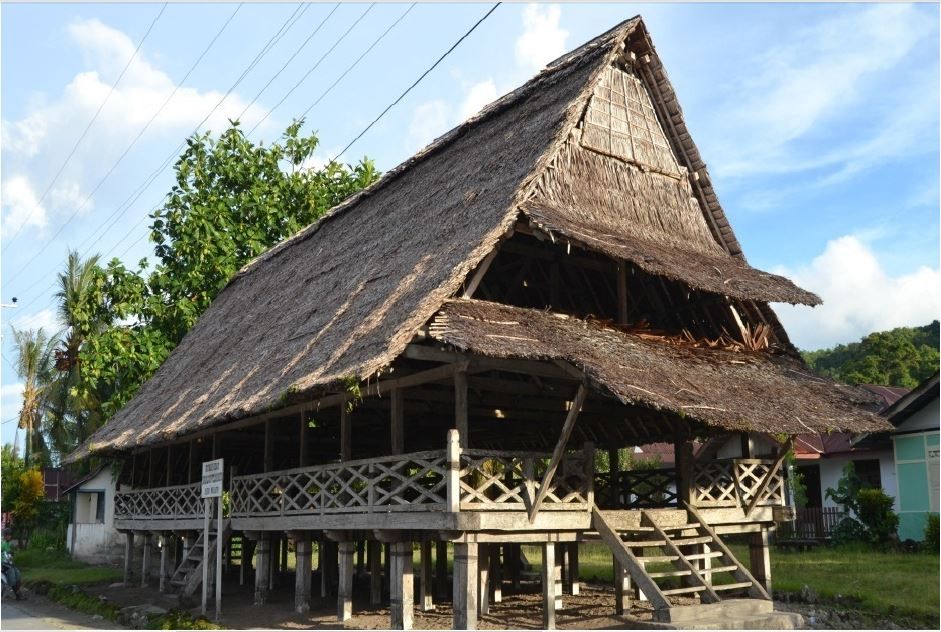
(901, 357)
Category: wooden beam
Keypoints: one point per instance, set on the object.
(460, 406)
(477, 363)
(763, 486)
(474, 281)
(559, 450)
(302, 442)
(397, 442)
(268, 449)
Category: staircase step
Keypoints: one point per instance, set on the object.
(718, 569)
(643, 543)
(734, 586)
(676, 573)
(703, 539)
(683, 591)
(657, 558)
(702, 556)
(689, 525)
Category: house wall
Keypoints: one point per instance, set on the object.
(831, 471)
(916, 461)
(924, 419)
(95, 542)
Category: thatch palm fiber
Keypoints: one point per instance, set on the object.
(738, 391)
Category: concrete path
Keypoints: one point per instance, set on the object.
(38, 613)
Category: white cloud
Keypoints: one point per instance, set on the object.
(479, 95)
(809, 87)
(21, 206)
(542, 39)
(45, 319)
(429, 120)
(858, 296)
(38, 143)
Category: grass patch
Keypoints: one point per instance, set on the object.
(57, 567)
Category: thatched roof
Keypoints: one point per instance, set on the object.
(734, 390)
(343, 297)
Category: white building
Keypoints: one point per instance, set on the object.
(91, 534)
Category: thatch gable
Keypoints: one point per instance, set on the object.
(344, 297)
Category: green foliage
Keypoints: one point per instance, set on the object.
(876, 515)
(12, 468)
(27, 503)
(847, 489)
(900, 357)
(932, 533)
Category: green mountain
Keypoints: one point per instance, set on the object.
(900, 357)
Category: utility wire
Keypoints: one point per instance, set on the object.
(417, 81)
(126, 151)
(107, 98)
(313, 68)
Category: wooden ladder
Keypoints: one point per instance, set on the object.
(703, 563)
(188, 576)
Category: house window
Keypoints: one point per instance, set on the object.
(868, 472)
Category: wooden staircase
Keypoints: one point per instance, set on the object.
(693, 553)
(188, 576)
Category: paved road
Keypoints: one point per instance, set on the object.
(38, 613)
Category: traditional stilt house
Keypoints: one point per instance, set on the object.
(444, 355)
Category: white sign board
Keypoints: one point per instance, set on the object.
(212, 478)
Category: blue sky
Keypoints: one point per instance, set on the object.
(819, 124)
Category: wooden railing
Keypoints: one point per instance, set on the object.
(510, 481)
(406, 482)
(636, 489)
(811, 523)
(159, 503)
(735, 482)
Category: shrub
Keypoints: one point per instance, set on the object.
(932, 532)
(848, 530)
(874, 508)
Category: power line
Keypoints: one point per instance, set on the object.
(417, 81)
(313, 68)
(358, 59)
(107, 98)
(127, 150)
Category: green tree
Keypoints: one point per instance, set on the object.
(26, 506)
(904, 357)
(232, 200)
(11, 467)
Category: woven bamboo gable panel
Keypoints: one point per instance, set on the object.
(621, 122)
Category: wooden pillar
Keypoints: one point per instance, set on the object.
(145, 560)
(262, 566)
(460, 407)
(760, 554)
(574, 586)
(164, 557)
(561, 555)
(128, 557)
(345, 588)
(683, 456)
(346, 437)
(441, 568)
(622, 589)
(515, 566)
(548, 586)
(169, 466)
(402, 593)
(360, 558)
(375, 573)
(427, 600)
(283, 565)
(302, 442)
(150, 467)
(397, 439)
(248, 551)
(496, 574)
(483, 579)
(302, 564)
(386, 569)
(274, 548)
(268, 448)
(328, 567)
(465, 585)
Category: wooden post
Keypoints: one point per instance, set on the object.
(454, 471)
(302, 553)
(580, 395)
(496, 574)
(760, 554)
(683, 457)
(465, 585)
(360, 558)
(275, 554)
(402, 593)
(268, 448)
(145, 560)
(262, 564)
(515, 564)
(328, 567)
(441, 568)
(128, 557)
(483, 579)
(345, 589)
(164, 555)
(397, 440)
(574, 586)
(427, 600)
(169, 465)
(561, 555)
(302, 443)
(460, 407)
(548, 586)
(375, 573)
(622, 589)
(386, 570)
(346, 437)
(150, 467)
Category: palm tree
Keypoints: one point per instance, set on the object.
(35, 361)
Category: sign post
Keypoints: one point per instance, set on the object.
(212, 488)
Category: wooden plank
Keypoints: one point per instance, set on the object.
(559, 450)
(769, 477)
(474, 281)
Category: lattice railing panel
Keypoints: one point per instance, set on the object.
(404, 482)
(733, 483)
(510, 481)
(636, 489)
(159, 503)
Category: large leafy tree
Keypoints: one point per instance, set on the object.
(900, 357)
(232, 200)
